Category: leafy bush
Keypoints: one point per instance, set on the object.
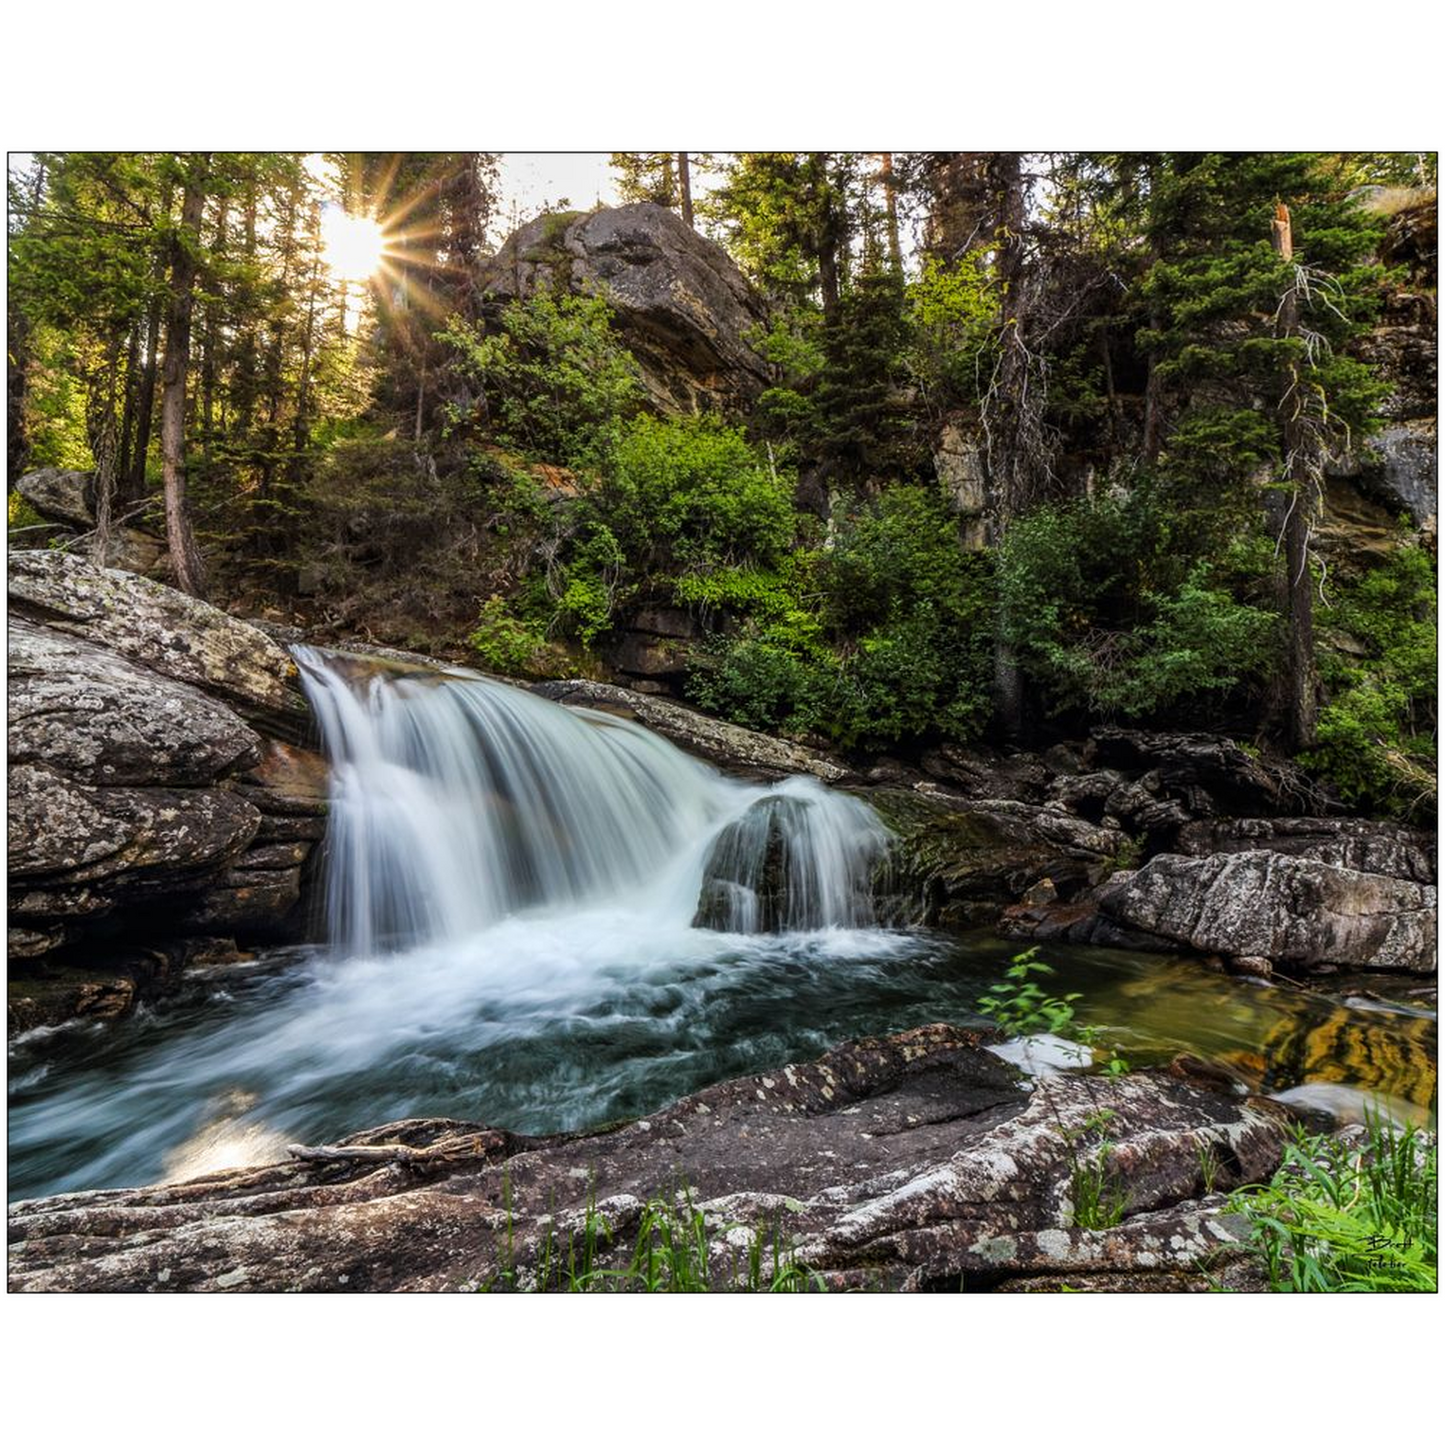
(505, 642)
(1110, 609)
(552, 377)
(1376, 735)
(882, 637)
(691, 495)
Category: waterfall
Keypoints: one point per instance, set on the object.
(458, 801)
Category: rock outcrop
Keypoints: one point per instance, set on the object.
(959, 861)
(683, 308)
(1290, 910)
(910, 1162)
(151, 794)
(1357, 843)
(733, 749)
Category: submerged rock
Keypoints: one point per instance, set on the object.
(785, 866)
(909, 1162)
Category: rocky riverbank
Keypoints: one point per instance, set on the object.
(919, 1161)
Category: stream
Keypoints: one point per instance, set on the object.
(515, 891)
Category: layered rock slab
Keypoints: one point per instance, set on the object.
(914, 1161)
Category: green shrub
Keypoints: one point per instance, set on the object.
(882, 637)
(1376, 733)
(690, 495)
(553, 378)
(1110, 608)
(505, 642)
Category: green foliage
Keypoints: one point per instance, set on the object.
(1376, 734)
(690, 496)
(1110, 608)
(551, 377)
(883, 638)
(1347, 1217)
(1020, 1007)
(1211, 299)
(506, 643)
(953, 314)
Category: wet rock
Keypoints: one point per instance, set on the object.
(1358, 843)
(1293, 911)
(909, 1162)
(733, 749)
(682, 307)
(956, 861)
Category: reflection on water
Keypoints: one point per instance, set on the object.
(542, 1024)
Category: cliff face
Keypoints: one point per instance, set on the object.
(683, 308)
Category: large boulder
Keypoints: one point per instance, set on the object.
(165, 631)
(59, 495)
(1358, 843)
(1294, 911)
(909, 1162)
(67, 499)
(144, 807)
(682, 306)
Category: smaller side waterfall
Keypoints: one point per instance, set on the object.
(797, 859)
(458, 801)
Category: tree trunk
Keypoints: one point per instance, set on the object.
(185, 556)
(684, 180)
(1303, 500)
(1008, 461)
(890, 206)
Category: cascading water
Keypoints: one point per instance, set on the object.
(458, 801)
(542, 919)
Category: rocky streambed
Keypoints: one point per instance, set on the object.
(168, 800)
(912, 1162)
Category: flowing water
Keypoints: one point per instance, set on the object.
(514, 891)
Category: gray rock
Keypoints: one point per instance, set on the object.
(59, 495)
(1289, 910)
(683, 308)
(1400, 467)
(732, 748)
(138, 797)
(99, 718)
(1209, 775)
(164, 631)
(909, 1162)
(138, 841)
(1358, 843)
